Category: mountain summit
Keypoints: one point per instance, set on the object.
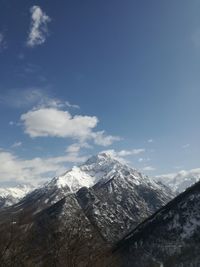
(89, 173)
(101, 167)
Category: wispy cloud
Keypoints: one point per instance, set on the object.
(39, 29)
(144, 159)
(17, 144)
(178, 167)
(33, 97)
(71, 105)
(11, 123)
(149, 168)
(2, 42)
(21, 56)
(18, 98)
(76, 147)
(102, 139)
(150, 140)
(186, 146)
(122, 154)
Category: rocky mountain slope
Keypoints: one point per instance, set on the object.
(101, 199)
(120, 198)
(171, 237)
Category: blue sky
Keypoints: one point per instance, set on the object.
(80, 77)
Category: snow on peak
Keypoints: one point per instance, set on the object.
(99, 167)
(17, 192)
(74, 179)
(12, 195)
(87, 174)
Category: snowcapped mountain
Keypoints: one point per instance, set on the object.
(171, 237)
(110, 197)
(102, 172)
(120, 198)
(180, 181)
(100, 167)
(12, 195)
(113, 196)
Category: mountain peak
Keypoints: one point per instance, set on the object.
(89, 173)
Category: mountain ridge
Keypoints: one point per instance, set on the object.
(166, 236)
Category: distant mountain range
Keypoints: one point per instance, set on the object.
(180, 181)
(12, 195)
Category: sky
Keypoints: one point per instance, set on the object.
(81, 77)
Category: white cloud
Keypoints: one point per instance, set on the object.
(122, 154)
(192, 172)
(39, 29)
(136, 151)
(162, 177)
(15, 169)
(48, 118)
(73, 151)
(76, 147)
(17, 144)
(150, 141)
(149, 168)
(53, 122)
(181, 174)
(100, 138)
